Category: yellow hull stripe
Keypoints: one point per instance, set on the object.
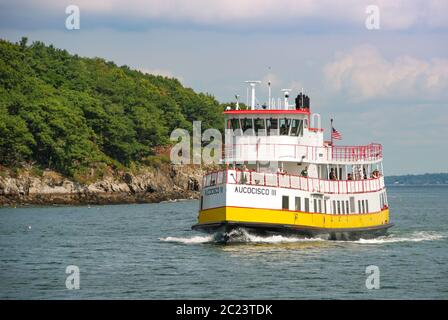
(272, 216)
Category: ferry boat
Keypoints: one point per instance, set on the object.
(279, 176)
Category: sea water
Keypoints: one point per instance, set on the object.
(148, 251)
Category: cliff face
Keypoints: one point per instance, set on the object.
(149, 185)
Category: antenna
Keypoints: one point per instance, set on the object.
(303, 96)
(253, 83)
(286, 94)
(269, 90)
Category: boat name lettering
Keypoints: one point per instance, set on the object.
(211, 191)
(252, 190)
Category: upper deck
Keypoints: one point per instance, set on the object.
(288, 136)
(284, 132)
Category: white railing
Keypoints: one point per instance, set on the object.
(293, 182)
(271, 151)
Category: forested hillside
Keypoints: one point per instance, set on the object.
(74, 114)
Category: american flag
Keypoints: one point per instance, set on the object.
(335, 134)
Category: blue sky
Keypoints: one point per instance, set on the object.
(388, 85)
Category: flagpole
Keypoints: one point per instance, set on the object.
(331, 132)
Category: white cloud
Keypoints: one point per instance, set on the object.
(364, 73)
(266, 14)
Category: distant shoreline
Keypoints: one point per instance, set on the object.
(427, 179)
(151, 185)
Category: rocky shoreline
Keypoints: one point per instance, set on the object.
(149, 185)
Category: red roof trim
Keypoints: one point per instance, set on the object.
(299, 111)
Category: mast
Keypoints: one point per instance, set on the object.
(252, 84)
(269, 90)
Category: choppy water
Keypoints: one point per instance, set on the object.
(148, 251)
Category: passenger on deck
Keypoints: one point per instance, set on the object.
(304, 172)
(333, 174)
(349, 176)
(375, 174)
(243, 174)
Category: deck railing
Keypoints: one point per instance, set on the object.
(278, 151)
(292, 182)
(371, 152)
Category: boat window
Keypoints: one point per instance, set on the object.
(363, 207)
(334, 206)
(300, 129)
(367, 206)
(285, 202)
(298, 204)
(315, 205)
(272, 126)
(297, 128)
(352, 204)
(235, 124)
(347, 207)
(305, 123)
(320, 205)
(339, 207)
(325, 206)
(343, 207)
(294, 127)
(259, 126)
(247, 125)
(284, 126)
(307, 205)
(359, 206)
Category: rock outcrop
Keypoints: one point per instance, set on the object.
(168, 182)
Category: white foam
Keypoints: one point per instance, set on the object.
(413, 237)
(241, 235)
(190, 240)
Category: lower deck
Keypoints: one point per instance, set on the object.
(288, 210)
(293, 218)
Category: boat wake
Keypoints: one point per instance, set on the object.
(190, 240)
(412, 237)
(241, 236)
(238, 236)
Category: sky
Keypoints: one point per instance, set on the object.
(387, 84)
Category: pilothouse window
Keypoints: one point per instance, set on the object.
(272, 126)
(284, 126)
(296, 127)
(259, 125)
(247, 124)
(235, 124)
